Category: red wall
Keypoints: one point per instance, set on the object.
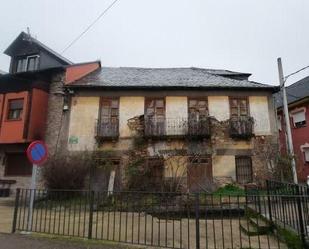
(38, 115)
(76, 72)
(12, 131)
(300, 137)
(1, 107)
(33, 122)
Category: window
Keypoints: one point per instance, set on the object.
(243, 169)
(155, 108)
(306, 154)
(109, 117)
(279, 123)
(21, 65)
(239, 107)
(15, 109)
(198, 108)
(29, 63)
(17, 164)
(32, 63)
(299, 118)
(155, 117)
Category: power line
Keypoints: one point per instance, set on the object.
(289, 75)
(85, 31)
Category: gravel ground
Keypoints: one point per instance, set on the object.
(16, 241)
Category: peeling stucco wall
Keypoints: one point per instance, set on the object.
(259, 110)
(219, 107)
(129, 107)
(224, 166)
(83, 120)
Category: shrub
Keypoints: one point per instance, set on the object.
(67, 172)
(229, 189)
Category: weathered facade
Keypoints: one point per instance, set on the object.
(202, 124)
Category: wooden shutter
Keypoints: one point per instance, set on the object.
(239, 107)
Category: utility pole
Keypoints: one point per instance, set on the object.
(287, 120)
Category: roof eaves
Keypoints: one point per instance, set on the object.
(88, 86)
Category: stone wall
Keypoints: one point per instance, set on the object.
(57, 118)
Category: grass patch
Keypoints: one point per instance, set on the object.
(229, 189)
(291, 239)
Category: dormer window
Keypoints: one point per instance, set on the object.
(29, 63)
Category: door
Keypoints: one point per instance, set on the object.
(109, 117)
(155, 117)
(199, 174)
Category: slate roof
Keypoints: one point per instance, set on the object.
(25, 37)
(295, 92)
(130, 77)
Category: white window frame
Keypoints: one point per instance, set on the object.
(305, 149)
(25, 67)
(279, 122)
(306, 154)
(296, 111)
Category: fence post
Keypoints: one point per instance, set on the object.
(15, 210)
(91, 204)
(197, 220)
(269, 201)
(300, 216)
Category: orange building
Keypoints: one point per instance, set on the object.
(24, 100)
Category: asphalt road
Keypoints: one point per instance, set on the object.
(17, 241)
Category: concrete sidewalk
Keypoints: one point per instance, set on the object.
(16, 241)
(6, 215)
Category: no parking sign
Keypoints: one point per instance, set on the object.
(37, 154)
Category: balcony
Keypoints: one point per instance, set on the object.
(241, 127)
(177, 127)
(107, 131)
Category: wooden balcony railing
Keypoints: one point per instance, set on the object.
(199, 127)
(107, 130)
(170, 127)
(241, 127)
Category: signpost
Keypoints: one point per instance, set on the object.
(37, 154)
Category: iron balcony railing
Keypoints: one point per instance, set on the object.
(158, 127)
(241, 127)
(107, 130)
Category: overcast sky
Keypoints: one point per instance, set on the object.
(241, 35)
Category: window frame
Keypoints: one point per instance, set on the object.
(239, 98)
(26, 64)
(238, 180)
(198, 99)
(279, 122)
(100, 120)
(21, 112)
(292, 117)
(305, 157)
(147, 100)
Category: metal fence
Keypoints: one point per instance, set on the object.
(289, 206)
(171, 220)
